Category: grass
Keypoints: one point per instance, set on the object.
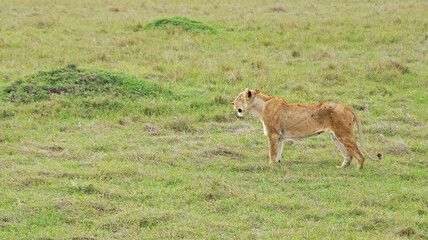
(150, 147)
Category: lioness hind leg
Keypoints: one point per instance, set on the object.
(353, 150)
(347, 158)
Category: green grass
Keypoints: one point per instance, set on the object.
(139, 140)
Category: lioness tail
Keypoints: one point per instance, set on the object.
(360, 136)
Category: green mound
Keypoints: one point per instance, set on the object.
(180, 22)
(76, 82)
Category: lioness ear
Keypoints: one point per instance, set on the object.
(249, 93)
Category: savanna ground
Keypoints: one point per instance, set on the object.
(161, 153)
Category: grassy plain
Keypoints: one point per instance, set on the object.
(178, 163)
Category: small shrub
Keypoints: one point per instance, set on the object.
(406, 232)
(180, 124)
(295, 53)
(77, 82)
(398, 148)
(257, 64)
(389, 65)
(183, 23)
(219, 99)
(387, 70)
(278, 8)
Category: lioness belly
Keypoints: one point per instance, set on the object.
(301, 135)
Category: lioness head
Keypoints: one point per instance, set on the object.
(244, 101)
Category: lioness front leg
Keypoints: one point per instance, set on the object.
(273, 147)
(281, 145)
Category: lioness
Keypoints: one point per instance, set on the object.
(282, 120)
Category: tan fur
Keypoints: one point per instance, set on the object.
(282, 120)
